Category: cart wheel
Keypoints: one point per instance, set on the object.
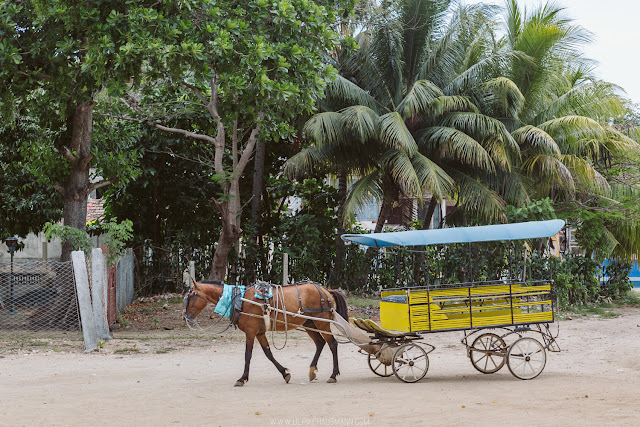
(410, 363)
(526, 358)
(379, 368)
(487, 353)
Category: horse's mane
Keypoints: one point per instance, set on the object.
(212, 282)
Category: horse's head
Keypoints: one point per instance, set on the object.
(194, 302)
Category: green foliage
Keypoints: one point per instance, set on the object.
(307, 234)
(79, 239)
(617, 285)
(538, 210)
(116, 235)
(25, 203)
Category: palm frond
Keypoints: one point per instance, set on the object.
(362, 123)
(585, 174)
(456, 145)
(324, 128)
(420, 96)
(342, 93)
(432, 178)
(394, 133)
(476, 198)
(550, 174)
(538, 140)
(398, 165)
(367, 189)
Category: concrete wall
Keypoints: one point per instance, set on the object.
(33, 248)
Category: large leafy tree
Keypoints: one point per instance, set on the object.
(25, 204)
(55, 58)
(250, 67)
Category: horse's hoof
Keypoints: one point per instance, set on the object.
(332, 380)
(287, 377)
(239, 383)
(312, 373)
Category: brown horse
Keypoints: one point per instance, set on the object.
(298, 298)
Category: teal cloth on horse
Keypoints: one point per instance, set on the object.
(260, 295)
(223, 306)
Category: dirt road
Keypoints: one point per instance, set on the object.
(156, 381)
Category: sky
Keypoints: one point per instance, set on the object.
(614, 24)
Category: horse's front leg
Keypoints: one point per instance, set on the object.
(247, 360)
(262, 339)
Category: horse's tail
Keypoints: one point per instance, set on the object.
(341, 303)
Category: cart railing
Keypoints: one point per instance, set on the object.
(466, 305)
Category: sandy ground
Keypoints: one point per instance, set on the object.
(169, 377)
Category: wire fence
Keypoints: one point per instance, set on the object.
(37, 295)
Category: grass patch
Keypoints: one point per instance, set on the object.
(593, 310)
(363, 301)
(165, 350)
(630, 298)
(128, 350)
(37, 343)
(175, 300)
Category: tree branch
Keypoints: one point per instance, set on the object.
(101, 184)
(248, 149)
(186, 133)
(60, 189)
(68, 154)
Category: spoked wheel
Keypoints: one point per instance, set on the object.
(487, 353)
(379, 368)
(526, 358)
(410, 363)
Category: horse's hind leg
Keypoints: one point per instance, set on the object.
(262, 339)
(317, 338)
(333, 345)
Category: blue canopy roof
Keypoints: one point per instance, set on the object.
(483, 233)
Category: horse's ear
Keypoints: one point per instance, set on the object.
(193, 281)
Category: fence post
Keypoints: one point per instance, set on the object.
(84, 301)
(285, 269)
(99, 293)
(192, 273)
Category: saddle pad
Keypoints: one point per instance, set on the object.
(223, 306)
(268, 296)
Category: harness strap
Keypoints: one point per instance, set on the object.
(299, 299)
(322, 308)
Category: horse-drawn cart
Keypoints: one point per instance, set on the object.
(498, 317)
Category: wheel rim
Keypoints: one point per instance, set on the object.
(485, 362)
(379, 368)
(410, 363)
(526, 358)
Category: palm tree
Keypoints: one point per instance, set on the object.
(557, 111)
(398, 131)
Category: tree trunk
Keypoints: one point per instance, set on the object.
(231, 231)
(372, 252)
(382, 217)
(252, 245)
(76, 187)
(338, 265)
(426, 222)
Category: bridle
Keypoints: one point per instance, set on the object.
(190, 294)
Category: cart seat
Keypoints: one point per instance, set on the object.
(372, 327)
